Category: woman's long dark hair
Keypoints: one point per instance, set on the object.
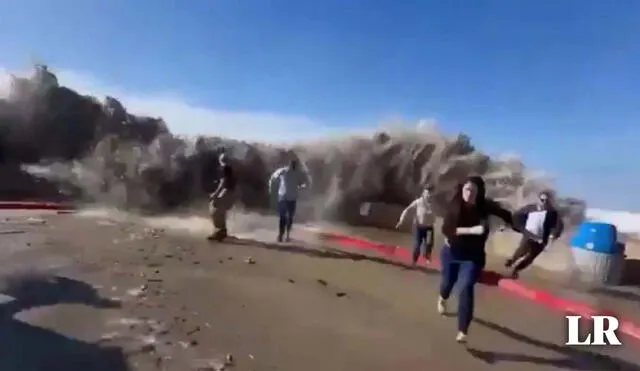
(457, 202)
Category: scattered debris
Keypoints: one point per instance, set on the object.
(162, 332)
(322, 282)
(137, 291)
(210, 365)
(148, 344)
(341, 294)
(109, 336)
(228, 360)
(291, 281)
(249, 260)
(32, 220)
(193, 331)
(153, 232)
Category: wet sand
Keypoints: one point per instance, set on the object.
(93, 294)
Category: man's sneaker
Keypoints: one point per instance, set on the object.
(442, 306)
(461, 337)
(279, 239)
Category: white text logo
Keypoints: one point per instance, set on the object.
(603, 332)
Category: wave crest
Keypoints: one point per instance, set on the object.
(97, 151)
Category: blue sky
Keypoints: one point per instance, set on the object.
(554, 81)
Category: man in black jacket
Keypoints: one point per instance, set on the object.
(222, 199)
(539, 223)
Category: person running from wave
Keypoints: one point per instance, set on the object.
(539, 224)
(423, 217)
(222, 199)
(466, 230)
(284, 185)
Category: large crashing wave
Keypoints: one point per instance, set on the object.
(98, 152)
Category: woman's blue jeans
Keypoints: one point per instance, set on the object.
(468, 273)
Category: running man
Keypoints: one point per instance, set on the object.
(539, 224)
(284, 184)
(423, 217)
(222, 199)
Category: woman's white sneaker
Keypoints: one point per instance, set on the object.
(442, 305)
(461, 337)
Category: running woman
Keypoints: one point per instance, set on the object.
(466, 229)
(285, 183)
(423, 217)
(539, 224)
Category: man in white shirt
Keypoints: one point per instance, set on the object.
(284, 184)
(539, 223)
(421, 212)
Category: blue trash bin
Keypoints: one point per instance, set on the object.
(598, 256)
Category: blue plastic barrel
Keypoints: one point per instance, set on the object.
(598, 256)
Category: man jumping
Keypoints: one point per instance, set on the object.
(539, 223)
(284, 184)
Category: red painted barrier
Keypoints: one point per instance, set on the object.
(511, 286)
(33, 205)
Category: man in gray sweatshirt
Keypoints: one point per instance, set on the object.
(284, 184)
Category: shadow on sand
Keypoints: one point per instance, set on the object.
(569, 358)
(325, 253)
(25, 347)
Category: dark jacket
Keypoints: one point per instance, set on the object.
(470, 247)
(553, 224)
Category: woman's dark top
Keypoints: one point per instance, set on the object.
(471, 247)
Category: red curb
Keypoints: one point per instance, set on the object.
(544, 297)
(33, 205)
